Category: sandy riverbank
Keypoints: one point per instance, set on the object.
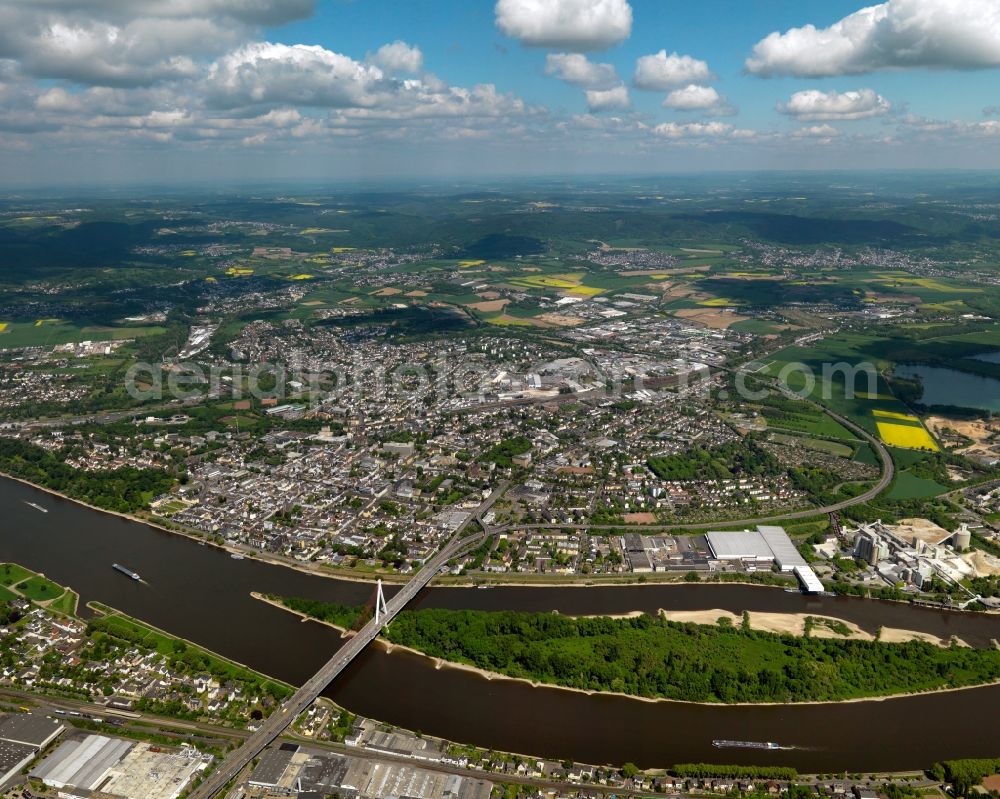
(795, 624)
(892, 635)
(440, 663)
(781, 623)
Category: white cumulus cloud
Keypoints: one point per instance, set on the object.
(816, 132)
(949, 130)
(124, 43)
(608, 99)
(578, 70)
(698, 130)
(141, 52)
(897, 34)
(266, 74)
(815, 105)
(660, 71)
(398, 57)
(695, 98)
(300, 74)
(578, 25)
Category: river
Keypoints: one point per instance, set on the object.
(202, 594)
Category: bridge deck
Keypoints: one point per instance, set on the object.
(278, 722)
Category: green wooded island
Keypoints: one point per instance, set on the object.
(652, 657)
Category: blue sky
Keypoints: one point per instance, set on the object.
(461, 43)
(111, 89)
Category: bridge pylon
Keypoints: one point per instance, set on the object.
(380, 609)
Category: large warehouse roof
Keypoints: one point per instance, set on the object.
(766, 543)
(785, 553)
(82, 763)
(271, 768)
(739, 546)
(13, 757)
(29, 728)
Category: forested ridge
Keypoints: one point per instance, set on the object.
(652, 657)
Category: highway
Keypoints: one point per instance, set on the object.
(275, 724)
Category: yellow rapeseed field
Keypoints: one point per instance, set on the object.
(906, 417)
(903, 435)
(542, 282)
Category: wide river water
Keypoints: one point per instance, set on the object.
(202, 594)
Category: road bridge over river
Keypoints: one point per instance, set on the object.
(278, 722)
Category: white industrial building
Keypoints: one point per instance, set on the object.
(82, 763)
(115, 767)
(768, 544)
(22, 736)
(917, 551)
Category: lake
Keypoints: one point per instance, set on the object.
(943, 386)
(988, 357)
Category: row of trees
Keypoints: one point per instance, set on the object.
(707, 771)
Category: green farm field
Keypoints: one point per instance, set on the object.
(50, 333)
(908, 486)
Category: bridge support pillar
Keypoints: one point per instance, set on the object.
(380, 609)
